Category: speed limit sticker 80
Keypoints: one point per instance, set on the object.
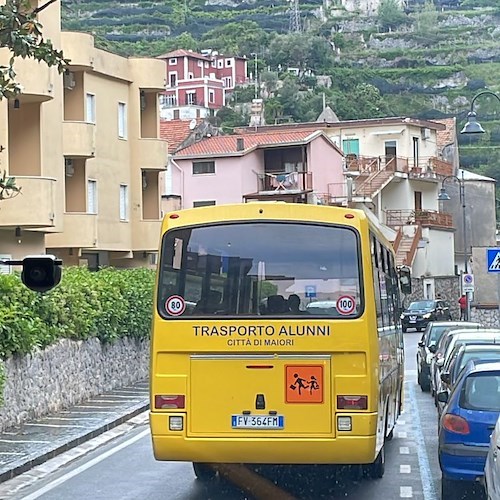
(346, 304)
(175, 305)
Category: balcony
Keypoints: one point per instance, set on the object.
(80, 231)
(146, 235)
(152, 154)
(148, 74)
(79, 48)
(78, 139)
(292, 186)
(35, 207)
(36, 78)
(424, 218)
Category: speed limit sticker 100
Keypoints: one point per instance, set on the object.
(175, 305)
(346, 304)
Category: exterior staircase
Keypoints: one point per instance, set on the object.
(368, 187)
(406, 246)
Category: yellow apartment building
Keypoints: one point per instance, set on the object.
(84, 147)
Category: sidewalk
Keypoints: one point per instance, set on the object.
(36, 442)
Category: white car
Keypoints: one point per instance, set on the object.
(492, 468)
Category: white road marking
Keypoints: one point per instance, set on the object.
(405, 469)
(402, 435)
(85, 466)
(423, 459)
(404, 450)
(406, 492)
(15, 441)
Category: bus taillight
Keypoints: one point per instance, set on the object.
(163, 402)
(352, 402)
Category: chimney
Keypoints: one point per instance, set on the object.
(240, 144)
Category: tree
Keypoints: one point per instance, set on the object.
(390, 15)
(427, 19)
(21, 33)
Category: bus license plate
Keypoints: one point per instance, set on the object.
(257, 421)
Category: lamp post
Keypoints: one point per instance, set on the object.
(256, 83)
(444, 196)
(472, 127)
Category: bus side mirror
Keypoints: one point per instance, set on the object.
(41, 273)
(405, 279)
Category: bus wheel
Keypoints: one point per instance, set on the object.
(204, 472)
(376, 469)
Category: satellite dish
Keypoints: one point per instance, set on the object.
(192, 124)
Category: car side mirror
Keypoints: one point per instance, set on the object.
(440, 362)
(433, 348)
(442, 397)
(445, 377)
(421, 343)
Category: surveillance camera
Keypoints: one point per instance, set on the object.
(41, 272)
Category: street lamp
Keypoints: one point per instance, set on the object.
(473, 126)
(256, 83)
(444, 196)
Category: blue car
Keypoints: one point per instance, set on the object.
(467, 421)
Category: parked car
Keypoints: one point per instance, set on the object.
(420, 313)
(430, 337)
(439, 349)
(458, 338)
(492, 467)
(462, 353)
(471, 411)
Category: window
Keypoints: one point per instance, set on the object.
(191, 98)
(168, 100)
(200, 64)
(90, 108)
(122, 120)
(123, 202)
(211, 96)
(207, 64)
(190, 76)
(214, 64)
(206, 203)
(172, 78)
(91, 197)
(220, 63)
(253, 268)
(172, 60)
(203, 167)
(228, 63)
(350, 146)
(227, 81)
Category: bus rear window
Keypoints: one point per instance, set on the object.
(265, 268)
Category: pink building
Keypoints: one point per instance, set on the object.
(199, 81)
(294, 166)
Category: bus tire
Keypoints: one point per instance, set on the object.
(376, 469)
(204, 472)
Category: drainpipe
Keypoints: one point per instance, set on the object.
(182, 180)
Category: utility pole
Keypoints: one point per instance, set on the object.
(295, 25)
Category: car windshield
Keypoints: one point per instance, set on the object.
(481, 392)
(422, 304)
(436, 333)
(493, 354)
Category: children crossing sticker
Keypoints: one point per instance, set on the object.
(346, 304)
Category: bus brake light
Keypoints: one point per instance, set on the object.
(163, 402)
(352, 402)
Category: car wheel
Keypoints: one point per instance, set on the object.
(424, 383)
(451, 490)
(204, 472)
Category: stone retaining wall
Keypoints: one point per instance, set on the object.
(68, 373)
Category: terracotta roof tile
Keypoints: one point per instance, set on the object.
(182, 53)
(227, 144)
(175, 132)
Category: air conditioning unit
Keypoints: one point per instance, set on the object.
(69, 80)
(426, 133)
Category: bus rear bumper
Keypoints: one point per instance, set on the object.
(341, 449)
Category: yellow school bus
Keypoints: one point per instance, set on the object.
(275, 338)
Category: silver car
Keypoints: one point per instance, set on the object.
(492, 467)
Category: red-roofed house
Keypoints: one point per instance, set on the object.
(198, 84)
(296, 166)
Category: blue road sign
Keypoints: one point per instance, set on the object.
(493, 260)
(311, 291)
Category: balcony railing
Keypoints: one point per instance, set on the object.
(397, 218)
(280, 182)
(425, 166)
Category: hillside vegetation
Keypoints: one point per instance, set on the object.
(428, 61)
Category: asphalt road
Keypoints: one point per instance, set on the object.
(124, 468)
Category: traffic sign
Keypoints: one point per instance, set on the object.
(467, 282)
(493, 260)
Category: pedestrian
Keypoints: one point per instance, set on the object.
(463, 307)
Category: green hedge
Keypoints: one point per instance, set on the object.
(107, 304)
